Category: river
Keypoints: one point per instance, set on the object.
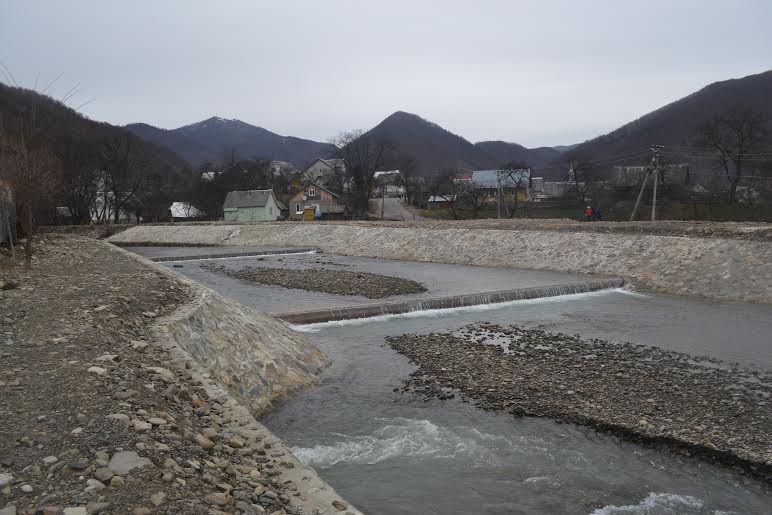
(390, 452)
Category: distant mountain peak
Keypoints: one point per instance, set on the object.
(215, 122)
(208, 139)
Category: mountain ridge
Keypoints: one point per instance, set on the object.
(677, 123)
(211, 139)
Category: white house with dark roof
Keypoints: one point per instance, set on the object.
(252, 206)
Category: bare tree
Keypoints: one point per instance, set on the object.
(31, 173)
(407, 169)
(473, 195)
(79, 180)
(123, 172)
(363, 154)
(515, 178)
(734, 135)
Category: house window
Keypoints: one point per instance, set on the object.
(312, 193)
(297, 208)
(270, 210)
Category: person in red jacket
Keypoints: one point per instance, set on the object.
(588, 213)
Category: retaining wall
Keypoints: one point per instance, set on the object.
(255, 356)
(716, 268)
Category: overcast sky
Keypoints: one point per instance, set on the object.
(534, 72)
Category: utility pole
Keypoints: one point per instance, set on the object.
(655, 158)
(653, 166)
(383, 198)
(498, 194)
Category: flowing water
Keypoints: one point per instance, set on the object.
(389, 452)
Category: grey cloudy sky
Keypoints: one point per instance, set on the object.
(534, 72)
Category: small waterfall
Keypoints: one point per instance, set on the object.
(456, 301)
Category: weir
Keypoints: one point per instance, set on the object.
(455, 301)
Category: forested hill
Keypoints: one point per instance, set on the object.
(678, 123)
(63, 129)
(212, 139)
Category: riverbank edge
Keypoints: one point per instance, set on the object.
(713, 268)
(319, 496)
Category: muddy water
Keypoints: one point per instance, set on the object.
(389, 452)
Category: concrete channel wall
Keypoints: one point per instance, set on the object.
(715, 268)
(246, 360)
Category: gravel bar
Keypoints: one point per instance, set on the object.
(338, 282)
(693, 405)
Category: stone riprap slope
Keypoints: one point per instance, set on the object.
(712, 267)
(103, 411)
(642, 392)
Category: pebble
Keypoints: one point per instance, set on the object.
(76, 510)
(96, 507)
(141, 425)
(125, 461)
(5, 479)
(26, 489)
(119, 417)
(237, 442)
(97, 370)
(158, 499)
(156, 421)
(103, 474)
(117, 482)
(217, 499)
(50, 460)
(204, 442)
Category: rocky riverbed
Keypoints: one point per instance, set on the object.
(337, 282)
(693, 405)
(93, 417)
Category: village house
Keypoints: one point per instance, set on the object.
(184, 212)
(315, 198)
(511, 182)
(251, 206)
(441, 201)
(279, 167)
(388, 183)
(322, 170)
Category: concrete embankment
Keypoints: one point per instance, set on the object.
(245, 360)
(718, 267)
(456, 301)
